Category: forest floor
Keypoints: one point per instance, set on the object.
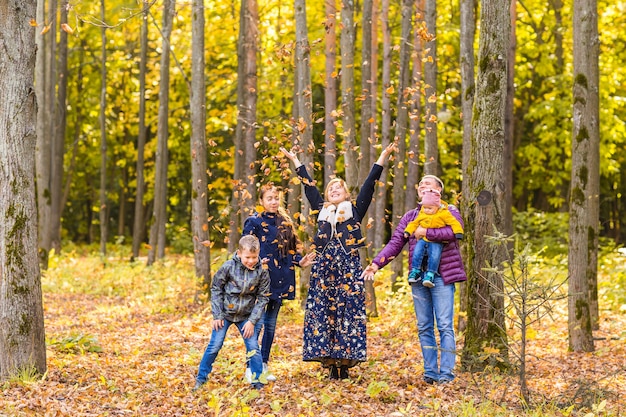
(151, 345)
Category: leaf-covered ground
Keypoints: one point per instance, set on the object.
(152, 336)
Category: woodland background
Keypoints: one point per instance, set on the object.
(117, 157)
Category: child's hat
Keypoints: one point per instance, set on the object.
(431, 197)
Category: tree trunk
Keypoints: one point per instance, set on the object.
(247, 114)
(199, 179)
(244, 188)
(468, 88)
(304, 116)
(404, 94)
(431, 148)
(380, 204)
(367, 141)
(22, 338)
(413, 150)
(103, 215)
(509, 128)
(330, 92)
(486, 326)
(58, 138)
(159, 215)
(138, 221)
(235, 209)
(347, 93)
(45, 49)
(583, 198)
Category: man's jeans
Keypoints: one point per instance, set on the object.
(436, 305)
(215, 344)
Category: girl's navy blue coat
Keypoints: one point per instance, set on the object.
(282, 269)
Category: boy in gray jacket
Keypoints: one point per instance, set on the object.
(239, 294)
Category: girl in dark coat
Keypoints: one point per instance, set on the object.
(280, 251)
(334, 320)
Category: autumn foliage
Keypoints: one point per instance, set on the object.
(125, 340)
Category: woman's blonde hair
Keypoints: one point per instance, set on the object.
(333, 181)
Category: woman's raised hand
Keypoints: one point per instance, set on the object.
(291, 155)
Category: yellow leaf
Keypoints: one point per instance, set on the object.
(67, 28)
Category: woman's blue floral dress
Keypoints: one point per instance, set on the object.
(335, 319)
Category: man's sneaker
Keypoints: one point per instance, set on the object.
(197, 386)
(248, 376)
(429, 380)
(257, 386)
(428, 279)
(444, 381)
(268, 374)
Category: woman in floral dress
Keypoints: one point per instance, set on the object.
(335, 319)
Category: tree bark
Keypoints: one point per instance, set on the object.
(486, 325)
(138, 221)
(431, 148)
(304, 129)
(247, 114)
(58, 138)
(399, 168)
(103, 215)
(367, 140)
(159, 215)
(22, 338)
(330, 92)
(382, 217)
(199, 178)
(509, 127)
(415, 113)
(583, 194)
(468, 88)
(45, 49)
(347, 93)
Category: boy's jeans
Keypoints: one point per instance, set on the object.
(215, 344)
(430, 305)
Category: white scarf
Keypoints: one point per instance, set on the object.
(336, 214)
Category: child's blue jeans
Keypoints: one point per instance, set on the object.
(432, 251)
(215, 344)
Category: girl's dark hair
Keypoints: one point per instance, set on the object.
(287, 238)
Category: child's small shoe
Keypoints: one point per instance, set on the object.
(429, 276)
(414, 276)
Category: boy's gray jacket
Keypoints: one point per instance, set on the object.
(239, 293)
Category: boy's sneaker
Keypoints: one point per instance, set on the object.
(428, 279)
(197, 386)
(267, 373)
(248, 376)
(414, 276)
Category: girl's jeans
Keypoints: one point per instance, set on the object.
(268, 322)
